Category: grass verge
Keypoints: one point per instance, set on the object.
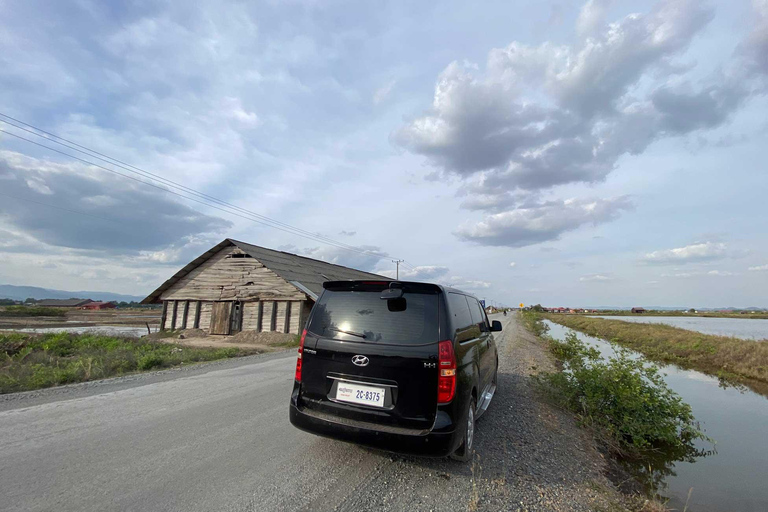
(731, 359)
(625, 403)
(14, 311)
(29, 361)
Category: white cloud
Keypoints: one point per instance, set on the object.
(419, 273)
(512, 264)
(471, 285)
(595, 278)
(706, 251)
(759, 268)
(541, 223)
(591, 17)
(363, 257)
(685, 275)
(383, 92)
(722, 273)
(547, 115)
(537, 117)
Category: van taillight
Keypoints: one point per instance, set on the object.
(298, 359)
(446, 377)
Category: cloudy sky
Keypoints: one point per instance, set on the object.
(604, 153)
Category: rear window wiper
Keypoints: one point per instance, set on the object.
(358, 334)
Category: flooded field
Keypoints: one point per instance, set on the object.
(747, 328)
(734, 477)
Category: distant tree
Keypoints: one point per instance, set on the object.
(537, 308)
(30, 300)
(691, 310)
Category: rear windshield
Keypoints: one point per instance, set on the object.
(362, 316)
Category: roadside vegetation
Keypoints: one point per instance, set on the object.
(662, 312)
(731, 359)
(624, 402)
(31, 361)
(16, 311)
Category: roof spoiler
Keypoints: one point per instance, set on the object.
(406, 286)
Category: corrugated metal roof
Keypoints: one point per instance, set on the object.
(306, 274)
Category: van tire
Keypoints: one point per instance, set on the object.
(467, 448)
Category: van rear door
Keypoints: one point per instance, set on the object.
(373, 359)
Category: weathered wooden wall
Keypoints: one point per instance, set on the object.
(205, 315)
(224, 277)
(265, 295)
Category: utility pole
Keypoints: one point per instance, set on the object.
(397, 262)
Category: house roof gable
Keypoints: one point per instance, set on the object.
(306, 274)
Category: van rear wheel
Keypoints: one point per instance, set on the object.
(464, 453)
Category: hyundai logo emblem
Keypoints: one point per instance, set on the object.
(360, 360)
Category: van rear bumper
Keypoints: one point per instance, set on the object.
(414, 442)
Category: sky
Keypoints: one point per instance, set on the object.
(553, 152)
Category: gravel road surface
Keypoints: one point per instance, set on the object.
(217, 437)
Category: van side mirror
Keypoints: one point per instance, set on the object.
(495, 326)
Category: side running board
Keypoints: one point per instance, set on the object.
(485, 400)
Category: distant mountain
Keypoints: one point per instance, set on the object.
(8, 291)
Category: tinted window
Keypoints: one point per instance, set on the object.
(478, 315)
(410, 320)
(459, 310)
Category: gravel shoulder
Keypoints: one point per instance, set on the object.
(529, 454)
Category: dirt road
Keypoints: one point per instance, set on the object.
(217, 437)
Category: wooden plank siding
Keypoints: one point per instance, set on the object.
(179, 314)
(280, 310)
(294, 326)
(250, 316)
(266, 316)
(191, 315)
(224, 277)
(205, 315)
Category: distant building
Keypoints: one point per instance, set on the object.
(638, 310)
(63, 303)
(98, 305)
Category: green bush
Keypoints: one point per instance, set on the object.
(533, 322)
(31, 311)
(627, 399)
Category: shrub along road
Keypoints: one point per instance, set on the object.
(217, 437)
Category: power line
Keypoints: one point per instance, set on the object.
(155, 177)
(268, 222)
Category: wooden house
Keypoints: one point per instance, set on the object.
(638, 310)
(236, 286)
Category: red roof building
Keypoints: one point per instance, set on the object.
(99, 305)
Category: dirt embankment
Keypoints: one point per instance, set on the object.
(261, 341)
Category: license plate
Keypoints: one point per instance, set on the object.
(357, 394)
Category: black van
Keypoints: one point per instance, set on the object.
(402, 366)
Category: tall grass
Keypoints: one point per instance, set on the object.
(31, 311)
(29, 361)
(726, 357)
